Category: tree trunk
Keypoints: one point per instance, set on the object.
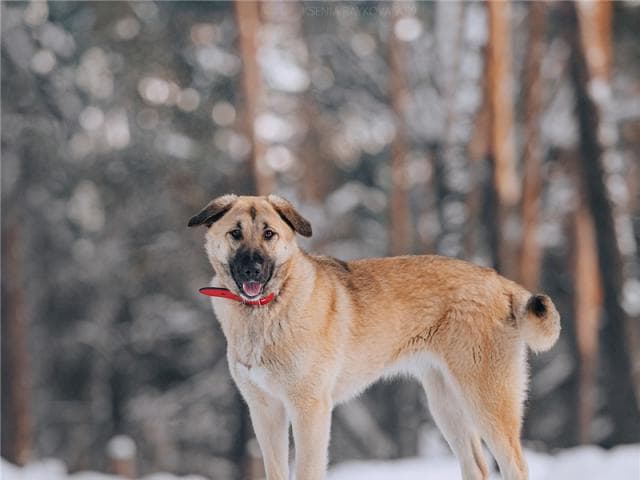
(595, 36)
(16, 421)
(530, 252)
(318, 167)
(587, 311)
(502, 149)
(621, 396)
(248, 20)
(399, 227)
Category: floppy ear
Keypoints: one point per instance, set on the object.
(213, 211)
(290, 215)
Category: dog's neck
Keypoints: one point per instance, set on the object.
(296, 282)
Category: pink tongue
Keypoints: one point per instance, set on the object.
(252, 288)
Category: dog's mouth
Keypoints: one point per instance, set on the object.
(252, 288)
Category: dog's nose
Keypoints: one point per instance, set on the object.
(253, 268)
(254, 265)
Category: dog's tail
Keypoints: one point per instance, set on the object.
(538, 320)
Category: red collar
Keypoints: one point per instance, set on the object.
(225, 293)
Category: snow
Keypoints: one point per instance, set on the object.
(121, 447)
(581, 463)
(52, 469)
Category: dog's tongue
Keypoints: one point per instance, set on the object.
(252, 288)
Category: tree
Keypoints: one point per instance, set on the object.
(501, 135)
(587, 311)
(621, 396)
(399, 225)
(16, 398)
(530, 255)
(249, 22)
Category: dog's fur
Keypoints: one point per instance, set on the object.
(336, 327)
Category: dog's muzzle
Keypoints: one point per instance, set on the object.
(251, 271)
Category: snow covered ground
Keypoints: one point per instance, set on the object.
(51, 469)
(583, 463)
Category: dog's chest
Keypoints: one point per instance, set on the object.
(247, 346)
(260, 370)
(254, 355)
(257, 375)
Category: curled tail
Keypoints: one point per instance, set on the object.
(539, 323)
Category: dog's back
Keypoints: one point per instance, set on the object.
(429, 288)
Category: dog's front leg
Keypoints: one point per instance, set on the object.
(271, 425)
(311, 422)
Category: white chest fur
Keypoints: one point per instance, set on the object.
(257, 375)
(251, 354)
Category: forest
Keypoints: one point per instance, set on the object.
(503, 133)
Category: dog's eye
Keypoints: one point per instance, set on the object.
(236, 234)
(268, 234)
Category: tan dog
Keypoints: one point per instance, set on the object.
(333, 328)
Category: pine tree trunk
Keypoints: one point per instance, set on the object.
(318, 167)
(530, 252)
(399, 227)
(587, 311)
(16, 420)
(502, 148)
(248, 20)
(621, 396)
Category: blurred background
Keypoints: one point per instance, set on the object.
(507, 134)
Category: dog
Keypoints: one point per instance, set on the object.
(308, 332)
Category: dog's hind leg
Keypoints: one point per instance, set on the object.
(499, 425)
(455, 425)
(495, 404)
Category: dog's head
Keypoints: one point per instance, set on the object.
(249, 240)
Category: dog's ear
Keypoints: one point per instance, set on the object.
(214, 211)
(290, 215)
